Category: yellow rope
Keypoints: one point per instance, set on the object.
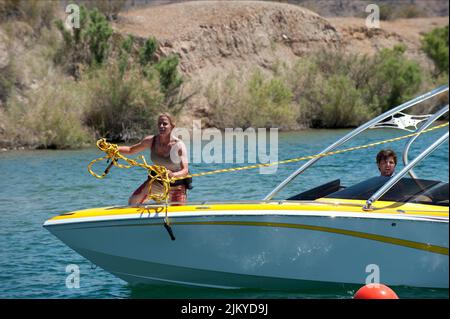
(298, 159)
(161, 174)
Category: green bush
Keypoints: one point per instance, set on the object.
(126, 46)
(146, 53)
(97, 35)
(109, 8)
(117, 96)
(88, 44)
(168, 75)
(37, 13)
(224, 97)
(341, 103)
(382, 81)
(73, 37)
(328, 89)
(122, 107)
(8, 77)
(125, 93)
(435, 45)
(170, 81)
(257, 102)
(269, 103)
(52, 121)
(395, 78)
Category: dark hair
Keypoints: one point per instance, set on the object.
(383, 155)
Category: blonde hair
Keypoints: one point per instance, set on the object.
(169, 117)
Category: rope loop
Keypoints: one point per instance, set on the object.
(156, 174)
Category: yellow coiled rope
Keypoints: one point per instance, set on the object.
(161, 176)
(156, 174)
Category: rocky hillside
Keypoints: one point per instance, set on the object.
(333, 8)
(356, 8)
(356, 37)
(214, 38)
(215, 34)
(4, 58)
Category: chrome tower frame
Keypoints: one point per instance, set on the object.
(377, 122)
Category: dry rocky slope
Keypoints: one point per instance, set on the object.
(214, 38)
(4, 58)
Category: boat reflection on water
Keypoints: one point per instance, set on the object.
(324, 237)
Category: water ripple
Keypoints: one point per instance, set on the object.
(40, 184)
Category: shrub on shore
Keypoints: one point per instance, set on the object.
(395, 78)
(435, 45)
(88, 44)
(123, 83)
(109, 8)
(328, 89)
(128, 84)
(54, 120)
(333, 89)
(338, 104)
(8, 76)
(258, 103)
(122, 106)
(147, 52)
(36, 13)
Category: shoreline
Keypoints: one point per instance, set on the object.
(19, 148)
(92, 144)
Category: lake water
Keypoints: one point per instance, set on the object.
(36, 185)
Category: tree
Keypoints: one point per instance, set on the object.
(435, 45)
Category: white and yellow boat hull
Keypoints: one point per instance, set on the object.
(271, 245)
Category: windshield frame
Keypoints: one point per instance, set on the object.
(406, 190)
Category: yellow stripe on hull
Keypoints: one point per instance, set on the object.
(322, 205)
(385, 239)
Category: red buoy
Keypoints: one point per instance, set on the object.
(375, 291)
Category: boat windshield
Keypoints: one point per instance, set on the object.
(407, 190)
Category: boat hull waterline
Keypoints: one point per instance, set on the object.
(270, 248)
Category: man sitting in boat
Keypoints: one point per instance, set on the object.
(386, 162)
(165, 150)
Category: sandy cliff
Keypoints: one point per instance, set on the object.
(214, 38)
(214, 34)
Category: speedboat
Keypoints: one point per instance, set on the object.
(394, 228)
